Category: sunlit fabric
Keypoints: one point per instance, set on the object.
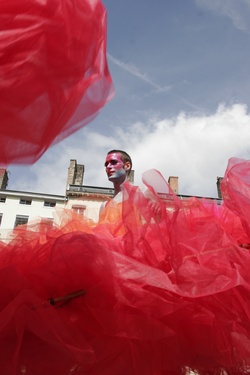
(54, 76)
(137, 293)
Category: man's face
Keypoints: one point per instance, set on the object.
(115, 167)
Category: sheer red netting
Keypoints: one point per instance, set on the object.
(137, 293)
(54, 76)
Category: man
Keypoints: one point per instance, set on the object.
(118, 165)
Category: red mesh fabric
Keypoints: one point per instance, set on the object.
(54, 74)
(163, 293)
(235, 188)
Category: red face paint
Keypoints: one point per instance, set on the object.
(115, 167)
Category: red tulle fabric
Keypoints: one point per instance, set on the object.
(53, 70)
(150, 293)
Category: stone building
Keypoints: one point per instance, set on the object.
(4, 178)
(21, 207)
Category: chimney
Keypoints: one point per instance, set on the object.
(75, 173)
(219, 179)
(173, 183)
(131, 176)
(3, 178)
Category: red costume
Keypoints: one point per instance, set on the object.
(54, 74)
(157, 296)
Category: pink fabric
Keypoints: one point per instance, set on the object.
(161, 293)
(54, 73)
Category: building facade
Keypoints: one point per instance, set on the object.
(83, 199)
(21, 207)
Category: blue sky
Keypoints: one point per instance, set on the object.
(182, 97)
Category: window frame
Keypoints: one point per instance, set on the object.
(50, 204)
(79, 209)
(20, 217)
(25, 202)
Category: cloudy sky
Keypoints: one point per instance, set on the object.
(182, 97)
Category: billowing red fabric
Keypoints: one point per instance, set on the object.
(149, 294)
(236, 185)
(54, 76)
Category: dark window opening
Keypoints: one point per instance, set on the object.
(25, 201)
(49, 204)
(20, 220)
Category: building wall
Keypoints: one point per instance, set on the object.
(88, 208)
(11, 207)
(87, 204)
(85, 200)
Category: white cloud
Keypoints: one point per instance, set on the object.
(195, 148)
(237, 10)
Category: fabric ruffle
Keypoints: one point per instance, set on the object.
(143, 293)
(53, 70)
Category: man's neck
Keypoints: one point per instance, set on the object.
(118, 186)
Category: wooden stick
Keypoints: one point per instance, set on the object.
(54, 300)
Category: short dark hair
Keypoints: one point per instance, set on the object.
(124, 156)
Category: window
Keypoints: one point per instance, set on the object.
(48, 221)
(1, 216)
(79, 209)
(2, 199)
(49, 204)
(20, 220)
(25, 201)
